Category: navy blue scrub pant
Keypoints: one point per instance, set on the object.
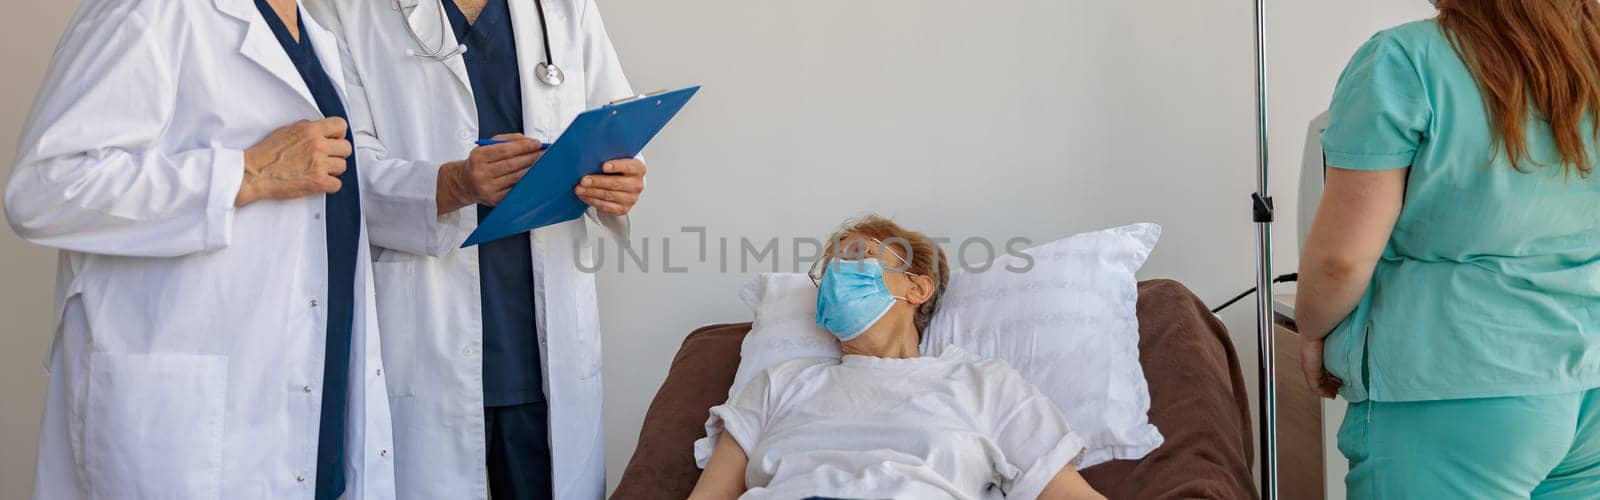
(519, 451)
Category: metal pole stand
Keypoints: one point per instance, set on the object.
(1268, 411)
(1262, 215)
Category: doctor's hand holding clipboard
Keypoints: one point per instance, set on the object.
(615, 191)
(597, 153)
(495, 166)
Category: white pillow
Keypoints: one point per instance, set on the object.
(785, 328)
(1069, 324)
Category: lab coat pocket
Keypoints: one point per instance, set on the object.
(153, 425)
(394, 279)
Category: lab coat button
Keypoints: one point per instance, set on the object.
(307, 389)
(313, 303)
(300, 478)
(317, 216)
(383, 453)
(380, 372)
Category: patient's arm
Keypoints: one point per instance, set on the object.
(1067, 485)
(724, 475)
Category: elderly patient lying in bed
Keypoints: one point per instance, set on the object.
(882, 422)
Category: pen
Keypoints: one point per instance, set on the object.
(491, 142)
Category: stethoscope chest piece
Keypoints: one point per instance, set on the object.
(550, 74)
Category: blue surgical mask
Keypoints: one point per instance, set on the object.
(852, 296)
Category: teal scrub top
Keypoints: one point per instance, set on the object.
(1490, 283)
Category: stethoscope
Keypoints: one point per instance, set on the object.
(546, 71)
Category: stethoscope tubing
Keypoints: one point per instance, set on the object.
(440, 53)
(544, 31)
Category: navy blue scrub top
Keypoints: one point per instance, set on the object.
(343, 224)
(511, 369)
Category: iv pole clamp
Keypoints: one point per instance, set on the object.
(1262, 215)
(1261, 209)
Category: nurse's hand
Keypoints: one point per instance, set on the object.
(1317, 376)
(298, 160)
(616, 191)
(488, 173)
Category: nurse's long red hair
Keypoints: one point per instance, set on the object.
(1532, 55)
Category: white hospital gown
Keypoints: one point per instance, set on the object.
(955, 426)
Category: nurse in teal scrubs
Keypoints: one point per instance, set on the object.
(1450, 287)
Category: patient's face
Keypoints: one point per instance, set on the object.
(861, 247)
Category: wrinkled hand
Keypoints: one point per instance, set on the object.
(616, 191)
(297, 160)
(1316, 374)
(488, 173)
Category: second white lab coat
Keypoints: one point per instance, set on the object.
(411, 115)
(189, 335)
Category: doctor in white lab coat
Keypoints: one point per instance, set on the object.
(177, 158)
(422, 116)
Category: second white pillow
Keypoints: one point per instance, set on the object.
(1069, 323)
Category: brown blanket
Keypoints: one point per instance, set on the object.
(1197, 397)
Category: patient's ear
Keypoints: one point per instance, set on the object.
(921, 289)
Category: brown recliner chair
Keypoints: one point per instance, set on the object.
(1197, 397)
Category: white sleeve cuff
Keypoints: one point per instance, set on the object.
(617, 225)
(400, 201)
(227, 177)
(724, 418)
(1030, 482)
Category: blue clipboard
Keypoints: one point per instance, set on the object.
(544, 195)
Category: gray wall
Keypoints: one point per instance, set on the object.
(27, 272)
(1031, 118)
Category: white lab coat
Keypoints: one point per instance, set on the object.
(188, 355)
(421, 114)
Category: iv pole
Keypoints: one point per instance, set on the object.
(1262, 216)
